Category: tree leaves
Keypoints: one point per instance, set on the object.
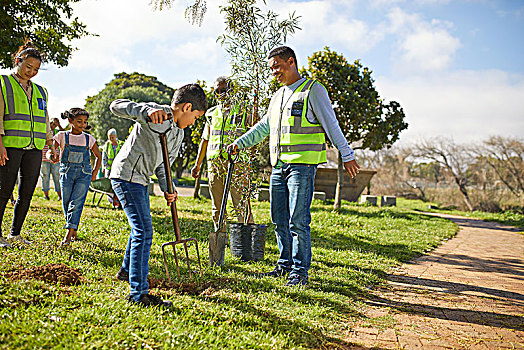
(363, 117)
(43, 23)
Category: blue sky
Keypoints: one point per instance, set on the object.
(457, 67)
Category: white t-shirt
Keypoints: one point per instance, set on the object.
(74, 140)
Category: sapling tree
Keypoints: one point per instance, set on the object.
(249, 36)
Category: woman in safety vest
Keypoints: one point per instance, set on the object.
(24, 130)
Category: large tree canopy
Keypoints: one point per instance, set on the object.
(49, 24)
(136, 87)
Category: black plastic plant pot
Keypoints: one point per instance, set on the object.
(247, 241)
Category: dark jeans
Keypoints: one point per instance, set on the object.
(135, 202)
(291, 188)
(27, 163)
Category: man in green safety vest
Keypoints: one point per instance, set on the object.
(111, 149)
(299, 116)
(223, 120)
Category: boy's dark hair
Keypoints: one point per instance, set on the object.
(284, 53)
(191, 93)
(26, 50)
(73, 113)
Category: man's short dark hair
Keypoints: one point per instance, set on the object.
(284, 53)
(191, 93)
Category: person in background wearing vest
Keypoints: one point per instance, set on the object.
(299, 116)
(111, 148)
(222, 119)
(76, 172)
(50, 169)
(24, 130)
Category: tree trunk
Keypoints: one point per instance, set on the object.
(465, 194)
(340, 182)
(461, 183)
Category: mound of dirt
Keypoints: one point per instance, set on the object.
(190, 288)
(50, 273)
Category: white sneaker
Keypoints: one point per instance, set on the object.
(18, 238)
(4, 243)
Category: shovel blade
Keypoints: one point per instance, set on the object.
(217, 248)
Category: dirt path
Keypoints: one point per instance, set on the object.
(466, 294)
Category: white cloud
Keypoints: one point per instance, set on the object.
(428, 49)
(331, 23)
(422, 45)
(467, 105)
(128, 28)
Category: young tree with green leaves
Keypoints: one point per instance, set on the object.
(49, 24)
(367, 121)
(249, 36)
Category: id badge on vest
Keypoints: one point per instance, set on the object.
(296, 108)
(41, 103)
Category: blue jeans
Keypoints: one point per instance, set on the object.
(291, 189)
(74, 183)
(135, 202)
(47, 170)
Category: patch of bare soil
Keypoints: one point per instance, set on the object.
(189, 288)
(50, 273)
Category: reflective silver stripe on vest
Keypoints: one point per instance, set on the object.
(300, 148)
(219, 132)
(214, 147)
(23, 133)
(25, 117)
(286, 129)
(10, 98)
(297, 129)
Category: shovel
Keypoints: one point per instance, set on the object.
(217, 239)
(174, 216)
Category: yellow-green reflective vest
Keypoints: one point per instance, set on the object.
(292, 138)
(233, 123)
(110, 151)
(24, 118)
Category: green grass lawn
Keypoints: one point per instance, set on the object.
(227, 307)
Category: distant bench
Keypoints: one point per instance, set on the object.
(263, 194)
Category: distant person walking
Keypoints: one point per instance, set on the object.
(110, 150)
(24, 130)
(50, 169)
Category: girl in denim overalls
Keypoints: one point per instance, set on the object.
(76, 172)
